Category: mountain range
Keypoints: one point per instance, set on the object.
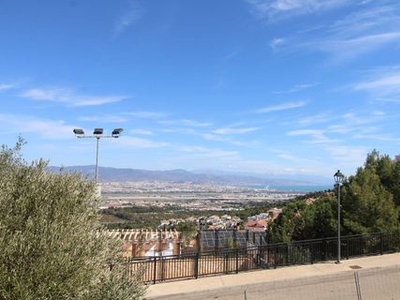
(109, 174)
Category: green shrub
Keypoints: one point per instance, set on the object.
(52, 246)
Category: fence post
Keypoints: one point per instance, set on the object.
(312, 249)
(237, 260)
(226, 263)
(287, 254)
(155, 270)
(196, 265)
(216, 239)
(381, 242)
(162, 261)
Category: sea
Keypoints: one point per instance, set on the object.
(296, 188)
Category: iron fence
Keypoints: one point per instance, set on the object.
(234, 260)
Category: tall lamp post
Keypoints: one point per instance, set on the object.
(339, 178)
(97, 134)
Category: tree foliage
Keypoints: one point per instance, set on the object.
(300, 220)
(52, 245)
(370, 202)
(368, 198)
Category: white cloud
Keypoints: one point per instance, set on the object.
(185, 122)
(20, 124)
(323, 117)
(276, 43)
(146, 114)
(316, 133)
(364, 29)
(368, 19)
(384, 85)
(142, 131)
(283, 106)
(68, 97)
(388, 83)
(209, 152)
(128, 18)
(230, 130)
(378, 137)
(297, 88)
(141, 142)
(103, 119)
(350, 48)
(277, 9)
(347, 155)
(5, 86)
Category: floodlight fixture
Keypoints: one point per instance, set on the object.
(116, 132)
(79, 132)
(98, 131)
(97, 134)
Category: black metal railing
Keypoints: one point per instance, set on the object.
(227, 261)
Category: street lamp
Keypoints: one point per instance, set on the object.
(97, 134)
(339, 178)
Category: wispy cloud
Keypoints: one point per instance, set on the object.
(278, 9)
(185, 122)
(320, 118)
(346, 155)
(20, 124)
(103, 119)
(315, 133)
(280, 107)
(383, 85)
(6, 86)
(363, 31)
(142, 143)
(367, 18)
(378, 137)
(68, 97)
(214, 152)
(276, 43)
(146, 114)
(232, 54)
(367, 28)
(350, 48)
(296, 88)
(142, 131)
(231, 130)
(128, 18)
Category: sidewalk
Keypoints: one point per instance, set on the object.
(254, 278)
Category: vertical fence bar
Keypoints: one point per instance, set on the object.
(196, 265)
(312, 250)
(237, 260)
(155, 270)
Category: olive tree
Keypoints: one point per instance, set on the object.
(52, 245)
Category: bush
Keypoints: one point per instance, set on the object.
(52, 244)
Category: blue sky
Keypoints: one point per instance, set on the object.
(277, 87)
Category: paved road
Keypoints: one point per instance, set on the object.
(375, 277)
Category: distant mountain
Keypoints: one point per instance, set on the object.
(107, 174)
